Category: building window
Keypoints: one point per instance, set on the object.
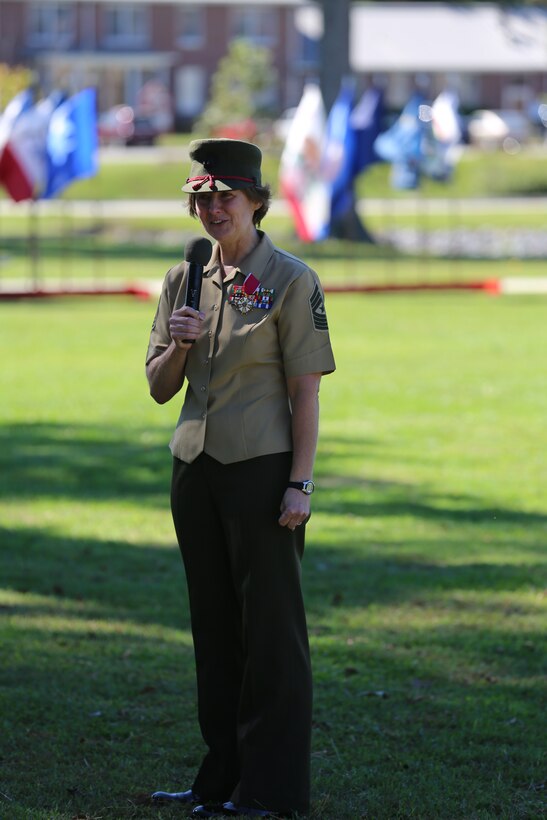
(256, 24)
(191, 27)
(126, 24)
(51, 24)
(190, 90)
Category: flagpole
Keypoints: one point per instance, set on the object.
(33, 243)
(97, 230)
(1, 243)
(454, 228)
(392, 269)
(68, 223)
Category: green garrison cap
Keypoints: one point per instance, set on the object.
(222, 165)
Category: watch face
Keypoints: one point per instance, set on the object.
(308, 487)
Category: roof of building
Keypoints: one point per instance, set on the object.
(211, 2)
(478, 37)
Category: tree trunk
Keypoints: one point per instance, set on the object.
(334, 67)
(349, 226)
(334, 48)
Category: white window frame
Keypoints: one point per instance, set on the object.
(258, 24)
(45, 27)
(193, 36)
(131, 33)
(190, 90)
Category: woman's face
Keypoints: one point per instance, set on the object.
(227, 216)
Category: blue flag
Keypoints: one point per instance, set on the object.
(339, 152)
(366, 120)
(402, 145)
(72, 142)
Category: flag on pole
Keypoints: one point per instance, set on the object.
(423, 141)
(444, 137)
(72, 142)
(402, 145)
(339, 152)
(23, 165)
(446, 120)
(302, 182)
(21, 103)
(366, 119)
(17, 106)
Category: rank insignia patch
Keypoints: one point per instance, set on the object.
(318, 313)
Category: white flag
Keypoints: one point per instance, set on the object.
(302, 180)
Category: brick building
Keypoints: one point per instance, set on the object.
(121, 46)
(494, 57)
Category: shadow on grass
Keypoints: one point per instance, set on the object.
(55, 246)
(99, 702)
(429, 714)
(81, 461)
(157, 245)
(92, 463)
(84, 462)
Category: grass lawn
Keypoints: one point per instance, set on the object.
(478, 173)
(103, 247)
(69, 249)
(423, 571)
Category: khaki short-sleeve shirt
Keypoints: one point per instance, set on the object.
(236, 404)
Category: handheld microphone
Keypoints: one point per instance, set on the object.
(197, 253)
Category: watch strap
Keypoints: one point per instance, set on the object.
(304, 486)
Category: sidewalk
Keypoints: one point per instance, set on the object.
(177, 207)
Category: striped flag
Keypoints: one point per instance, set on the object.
(23, 161)
(302, 181)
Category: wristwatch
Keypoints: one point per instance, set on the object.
(306, 486)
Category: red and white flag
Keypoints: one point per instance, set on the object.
(302, 180)
(23, 157)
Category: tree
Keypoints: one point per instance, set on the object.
(13, 79)
(239, 87)
(334, 54)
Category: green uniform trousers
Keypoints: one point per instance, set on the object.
(249, 629)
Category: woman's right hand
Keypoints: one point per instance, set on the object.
(185, 326)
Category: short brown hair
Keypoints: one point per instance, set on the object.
(256, 193)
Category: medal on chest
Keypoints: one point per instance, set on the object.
(251, 295)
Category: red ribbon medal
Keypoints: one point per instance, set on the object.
(247, 296)
(250, 284)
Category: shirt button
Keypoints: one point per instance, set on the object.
(206, 361)
(215, 307)
(210, 333)
(203, 415)
(203, 388)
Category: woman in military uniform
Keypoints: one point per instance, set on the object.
(243, 451)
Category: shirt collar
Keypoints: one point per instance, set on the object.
(255, 262)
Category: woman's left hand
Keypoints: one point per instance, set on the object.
(295, 508)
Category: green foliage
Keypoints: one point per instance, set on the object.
(242, 80)
(13, 79)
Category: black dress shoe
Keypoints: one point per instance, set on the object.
(235, 810)
(214, 810)
(188, 796)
